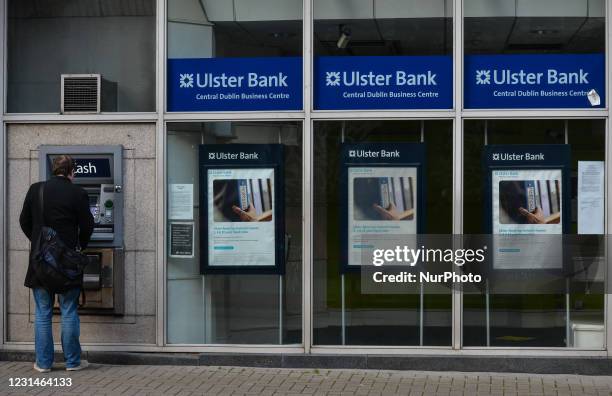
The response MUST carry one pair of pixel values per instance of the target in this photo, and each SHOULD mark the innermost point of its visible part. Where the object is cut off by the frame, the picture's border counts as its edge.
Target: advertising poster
(527, 201)
(527, 204)
(383, 195)
(241, 200)
(240, 214)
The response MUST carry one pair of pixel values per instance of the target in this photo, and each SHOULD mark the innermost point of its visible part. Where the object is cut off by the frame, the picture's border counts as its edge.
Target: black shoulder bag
(58, 267)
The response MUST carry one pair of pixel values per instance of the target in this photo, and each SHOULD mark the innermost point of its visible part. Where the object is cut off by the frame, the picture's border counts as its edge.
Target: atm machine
(99, 171)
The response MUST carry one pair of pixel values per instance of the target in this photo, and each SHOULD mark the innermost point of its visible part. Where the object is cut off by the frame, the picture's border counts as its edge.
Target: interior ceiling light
(345, 36)
(543, 32)
(282, 35)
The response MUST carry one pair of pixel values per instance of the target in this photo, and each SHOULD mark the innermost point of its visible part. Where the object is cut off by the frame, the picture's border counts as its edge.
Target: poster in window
(382, 200)
(241, 208)
(527, 205)
(240, 217)
(382, 194)
(527, 201)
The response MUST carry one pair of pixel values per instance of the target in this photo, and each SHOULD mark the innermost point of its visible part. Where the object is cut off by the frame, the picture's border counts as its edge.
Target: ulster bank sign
(235, 84)
(535, 81)
(383, 82)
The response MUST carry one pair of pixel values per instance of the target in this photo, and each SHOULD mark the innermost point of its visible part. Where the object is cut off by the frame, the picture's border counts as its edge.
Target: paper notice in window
(590, 197)
(180, 202)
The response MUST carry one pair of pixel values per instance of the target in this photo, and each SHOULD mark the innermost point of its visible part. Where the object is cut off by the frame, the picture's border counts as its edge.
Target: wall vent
(81, 93)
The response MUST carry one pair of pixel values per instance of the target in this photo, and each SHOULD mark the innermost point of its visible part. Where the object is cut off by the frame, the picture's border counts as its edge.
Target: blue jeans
(43, 334)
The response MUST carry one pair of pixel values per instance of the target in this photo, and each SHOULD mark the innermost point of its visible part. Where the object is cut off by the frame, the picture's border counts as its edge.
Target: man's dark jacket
(66, 210)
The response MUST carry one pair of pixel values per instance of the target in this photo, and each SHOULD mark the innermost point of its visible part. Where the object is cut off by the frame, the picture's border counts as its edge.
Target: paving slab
(18, 378)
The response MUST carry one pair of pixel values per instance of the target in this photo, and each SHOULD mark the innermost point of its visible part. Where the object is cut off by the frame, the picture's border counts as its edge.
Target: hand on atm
(250, 214)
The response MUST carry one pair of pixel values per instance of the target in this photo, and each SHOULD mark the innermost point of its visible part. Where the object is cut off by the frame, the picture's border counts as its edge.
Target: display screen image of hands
(530, 201)
(243, 200)
(383, 198)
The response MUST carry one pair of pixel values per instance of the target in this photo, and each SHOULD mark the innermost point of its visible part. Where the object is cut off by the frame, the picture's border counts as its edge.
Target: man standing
(66, 210)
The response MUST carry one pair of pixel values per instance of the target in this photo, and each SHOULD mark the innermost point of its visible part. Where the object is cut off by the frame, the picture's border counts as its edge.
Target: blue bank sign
(235, 84)
(383, 82)
(535, 81)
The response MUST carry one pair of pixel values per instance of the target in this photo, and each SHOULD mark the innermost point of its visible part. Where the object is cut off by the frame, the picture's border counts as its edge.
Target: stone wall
(138, 324)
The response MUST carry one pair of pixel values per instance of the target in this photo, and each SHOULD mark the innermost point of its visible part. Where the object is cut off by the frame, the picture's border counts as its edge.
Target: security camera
(345, 37)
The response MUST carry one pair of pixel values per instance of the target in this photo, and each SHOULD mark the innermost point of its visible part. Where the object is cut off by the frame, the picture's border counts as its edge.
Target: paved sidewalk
(198, 380)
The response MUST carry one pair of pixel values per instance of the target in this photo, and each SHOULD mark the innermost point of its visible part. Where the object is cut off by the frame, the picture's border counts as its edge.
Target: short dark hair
(63, 165)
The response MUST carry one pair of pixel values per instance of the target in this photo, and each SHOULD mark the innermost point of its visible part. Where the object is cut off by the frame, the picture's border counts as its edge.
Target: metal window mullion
(478, 352)
(608, 51)
(225, 116)
(160, 174)
(457, 296)
(608, 184)
(3, 184)
(607, 247)
(307, 169)
(348, 115)
(3, 61)
(3, 234)
(51, 118)
(545, 114)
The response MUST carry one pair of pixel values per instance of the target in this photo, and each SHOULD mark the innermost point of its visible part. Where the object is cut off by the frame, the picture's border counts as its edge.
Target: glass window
(534, 54)
(232, 308)
(554, 297)
(216, 36)
(343, 313)
(382, 54)
(113, 39)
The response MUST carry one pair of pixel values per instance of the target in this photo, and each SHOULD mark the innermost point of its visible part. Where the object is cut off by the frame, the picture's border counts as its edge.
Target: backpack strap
(41, 213)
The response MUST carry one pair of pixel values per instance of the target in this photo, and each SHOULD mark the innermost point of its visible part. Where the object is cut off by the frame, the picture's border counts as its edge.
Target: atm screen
(89, 167)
